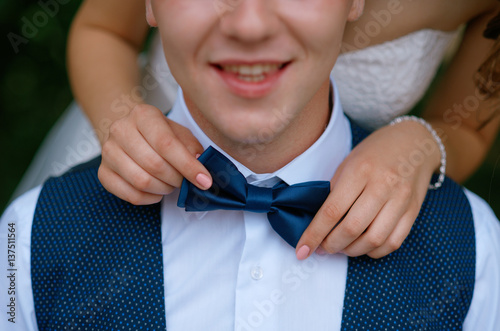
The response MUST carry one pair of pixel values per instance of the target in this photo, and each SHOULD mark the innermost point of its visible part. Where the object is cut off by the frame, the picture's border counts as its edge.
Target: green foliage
(34, 88)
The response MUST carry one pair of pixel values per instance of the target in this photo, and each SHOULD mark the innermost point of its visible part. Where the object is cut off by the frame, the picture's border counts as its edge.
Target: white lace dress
(376, 84)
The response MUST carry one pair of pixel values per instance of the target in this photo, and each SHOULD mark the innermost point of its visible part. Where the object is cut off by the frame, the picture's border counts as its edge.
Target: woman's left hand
(376, 194)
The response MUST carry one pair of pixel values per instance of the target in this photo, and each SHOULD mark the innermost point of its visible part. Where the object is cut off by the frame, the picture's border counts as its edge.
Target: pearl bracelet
(442, 168)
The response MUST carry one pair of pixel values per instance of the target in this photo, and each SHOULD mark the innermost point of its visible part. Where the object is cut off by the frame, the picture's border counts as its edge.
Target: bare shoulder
(448, 14)
(392, 19)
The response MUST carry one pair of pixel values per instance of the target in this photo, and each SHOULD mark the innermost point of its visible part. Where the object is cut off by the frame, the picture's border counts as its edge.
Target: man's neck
(300, 134)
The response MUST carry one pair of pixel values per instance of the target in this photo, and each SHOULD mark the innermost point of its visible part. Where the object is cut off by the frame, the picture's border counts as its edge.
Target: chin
(251, 136)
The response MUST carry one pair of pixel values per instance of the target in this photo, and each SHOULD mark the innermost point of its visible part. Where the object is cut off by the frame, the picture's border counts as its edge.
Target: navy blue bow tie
(289, 209)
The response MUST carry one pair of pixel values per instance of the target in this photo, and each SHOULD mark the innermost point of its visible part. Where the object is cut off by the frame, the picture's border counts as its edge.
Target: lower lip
(251, 90)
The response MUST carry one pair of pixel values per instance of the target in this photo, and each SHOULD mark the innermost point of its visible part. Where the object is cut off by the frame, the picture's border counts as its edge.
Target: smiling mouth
(252, 73)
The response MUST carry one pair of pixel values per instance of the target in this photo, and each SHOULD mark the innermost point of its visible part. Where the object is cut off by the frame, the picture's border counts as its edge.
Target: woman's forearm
(105, 39)
(457, 109)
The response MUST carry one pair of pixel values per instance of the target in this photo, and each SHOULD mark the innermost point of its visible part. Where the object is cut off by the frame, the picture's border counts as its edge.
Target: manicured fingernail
(198, 155)
(303, 252)
(204, 181)
(320, 251)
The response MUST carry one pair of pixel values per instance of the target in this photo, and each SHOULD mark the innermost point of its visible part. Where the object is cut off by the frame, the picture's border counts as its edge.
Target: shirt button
(257, 273)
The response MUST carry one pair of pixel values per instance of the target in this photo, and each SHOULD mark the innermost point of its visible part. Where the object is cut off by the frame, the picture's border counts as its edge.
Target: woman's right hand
(147, 155)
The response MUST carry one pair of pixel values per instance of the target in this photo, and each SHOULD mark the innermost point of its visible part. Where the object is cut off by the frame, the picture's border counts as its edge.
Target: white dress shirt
(229, 270)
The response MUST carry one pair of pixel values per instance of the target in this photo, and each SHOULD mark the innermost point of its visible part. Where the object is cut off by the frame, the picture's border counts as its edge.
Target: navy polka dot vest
(97, 263)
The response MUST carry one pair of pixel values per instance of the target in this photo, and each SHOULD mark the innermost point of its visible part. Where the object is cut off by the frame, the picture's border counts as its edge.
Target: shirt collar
(318, 162)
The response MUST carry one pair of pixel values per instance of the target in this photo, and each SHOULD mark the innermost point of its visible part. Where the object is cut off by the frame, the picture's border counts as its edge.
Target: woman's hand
(376, 194)
(146, 156)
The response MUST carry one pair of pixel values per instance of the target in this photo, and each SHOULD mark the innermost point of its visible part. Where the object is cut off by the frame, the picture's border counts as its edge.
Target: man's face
(249, 68)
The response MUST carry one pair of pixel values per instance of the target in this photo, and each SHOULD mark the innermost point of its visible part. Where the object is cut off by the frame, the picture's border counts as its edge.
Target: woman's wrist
(437, 139)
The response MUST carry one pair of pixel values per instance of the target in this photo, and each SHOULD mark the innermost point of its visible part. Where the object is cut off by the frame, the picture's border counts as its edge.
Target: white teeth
(245, 70)
(252, 73)
(252, 79)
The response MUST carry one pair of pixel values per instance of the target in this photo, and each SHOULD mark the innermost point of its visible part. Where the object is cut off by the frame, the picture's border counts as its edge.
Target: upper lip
(226, 62)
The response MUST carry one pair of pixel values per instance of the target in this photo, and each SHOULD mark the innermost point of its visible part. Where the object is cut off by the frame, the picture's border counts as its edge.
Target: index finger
(177, 146)
(339, 201)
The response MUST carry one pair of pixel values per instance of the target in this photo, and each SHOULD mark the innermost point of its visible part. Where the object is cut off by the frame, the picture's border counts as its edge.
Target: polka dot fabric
(96, 260)
(425, 285)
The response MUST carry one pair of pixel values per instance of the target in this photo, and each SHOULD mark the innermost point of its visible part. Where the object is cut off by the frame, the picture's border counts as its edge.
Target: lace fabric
(379, 83)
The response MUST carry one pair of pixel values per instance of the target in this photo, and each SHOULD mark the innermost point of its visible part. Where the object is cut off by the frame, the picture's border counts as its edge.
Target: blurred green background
(34, 91)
